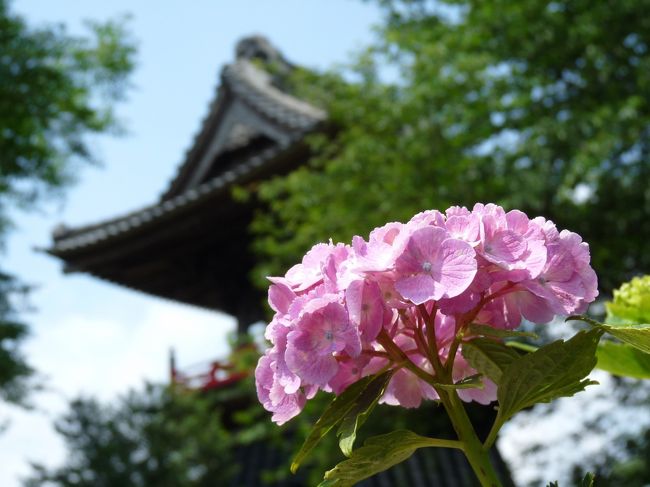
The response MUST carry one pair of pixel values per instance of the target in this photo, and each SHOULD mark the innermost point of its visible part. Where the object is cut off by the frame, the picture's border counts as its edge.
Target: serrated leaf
(623, 359)
(554, 370)
(636, 335)
(489, 331)
(379, 453)
(333, 415)
(489, 357)
(360, 411)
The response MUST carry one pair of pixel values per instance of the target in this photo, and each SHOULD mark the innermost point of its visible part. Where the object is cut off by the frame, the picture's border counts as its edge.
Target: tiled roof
(255, 87)
(242, 80)
(66, 240)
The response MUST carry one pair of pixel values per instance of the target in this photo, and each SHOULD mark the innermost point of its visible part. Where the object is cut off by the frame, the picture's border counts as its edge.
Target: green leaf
(469, 382)
(623, 359)
(489, 331)
(636, 335)
(360, 411)
(524, 347)
(489, 357)
(588, 481)
(379, 453)
(334, 414)
(554, 370)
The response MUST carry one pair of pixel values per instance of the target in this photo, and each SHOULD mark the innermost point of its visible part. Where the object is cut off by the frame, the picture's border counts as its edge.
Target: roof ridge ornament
(258, 47)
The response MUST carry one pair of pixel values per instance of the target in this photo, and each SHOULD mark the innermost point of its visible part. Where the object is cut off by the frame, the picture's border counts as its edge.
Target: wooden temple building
(192, 245)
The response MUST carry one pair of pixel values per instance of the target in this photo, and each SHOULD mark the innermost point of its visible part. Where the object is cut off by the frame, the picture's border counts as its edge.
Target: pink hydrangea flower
(323, 329)
(273, 397)
(433, 266)
(336, 309)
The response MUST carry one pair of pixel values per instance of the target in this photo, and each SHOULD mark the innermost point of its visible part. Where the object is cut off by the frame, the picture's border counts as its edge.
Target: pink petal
(534, 308)
(312, 368)
(419, 288)
(281, 297)
(464, 227)
(458, 267)
(365, 307)
(504, 248)
(403, 390)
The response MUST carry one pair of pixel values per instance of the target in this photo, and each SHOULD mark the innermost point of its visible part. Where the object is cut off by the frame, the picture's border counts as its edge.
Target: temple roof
(253, 130)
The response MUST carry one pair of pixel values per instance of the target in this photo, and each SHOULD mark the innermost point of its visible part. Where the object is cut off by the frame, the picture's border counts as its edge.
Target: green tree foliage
(55, 90)
(173, 438)
(633, 471)
(536, 105)
(13, 368)
(152, 437)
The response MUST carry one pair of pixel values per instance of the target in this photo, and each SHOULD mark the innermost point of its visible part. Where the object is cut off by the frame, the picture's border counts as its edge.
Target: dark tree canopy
(13, 368)
(151, 437)
(536, 105)
(55, 90)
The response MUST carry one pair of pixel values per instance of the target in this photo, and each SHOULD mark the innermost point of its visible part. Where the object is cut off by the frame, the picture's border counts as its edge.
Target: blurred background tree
(56, 90)
(536, 105)
(170, 437)
(156, 436)
(173, 436)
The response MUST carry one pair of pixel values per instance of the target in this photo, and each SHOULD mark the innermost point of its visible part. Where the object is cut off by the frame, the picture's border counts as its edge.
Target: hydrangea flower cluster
(414, 286)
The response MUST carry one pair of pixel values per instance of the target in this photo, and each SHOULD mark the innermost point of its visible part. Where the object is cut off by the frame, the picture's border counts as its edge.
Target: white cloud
(563, 433)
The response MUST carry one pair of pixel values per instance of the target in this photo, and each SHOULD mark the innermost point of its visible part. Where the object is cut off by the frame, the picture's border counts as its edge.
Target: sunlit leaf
(490, 331)
(623, 359)
(554, 370)
(637, 335)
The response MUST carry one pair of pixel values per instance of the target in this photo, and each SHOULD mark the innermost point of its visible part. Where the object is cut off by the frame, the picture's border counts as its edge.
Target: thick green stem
(476, 454)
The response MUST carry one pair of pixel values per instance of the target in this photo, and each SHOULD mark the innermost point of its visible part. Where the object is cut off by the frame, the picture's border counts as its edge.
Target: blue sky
(90, 337)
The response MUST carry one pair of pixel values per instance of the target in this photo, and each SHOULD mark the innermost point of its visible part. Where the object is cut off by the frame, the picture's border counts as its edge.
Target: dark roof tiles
(67, 239)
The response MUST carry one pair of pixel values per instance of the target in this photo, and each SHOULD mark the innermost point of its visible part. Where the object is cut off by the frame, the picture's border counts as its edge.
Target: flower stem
(476, 453)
